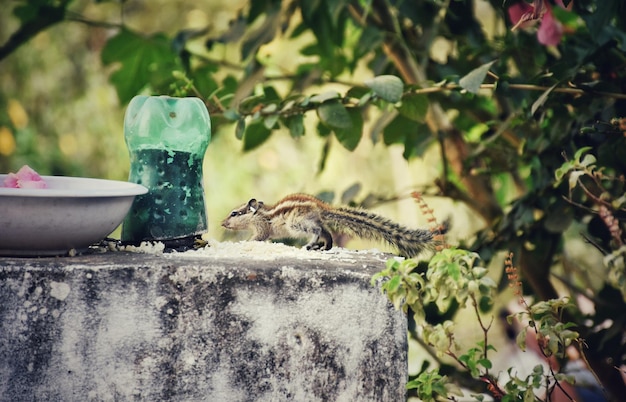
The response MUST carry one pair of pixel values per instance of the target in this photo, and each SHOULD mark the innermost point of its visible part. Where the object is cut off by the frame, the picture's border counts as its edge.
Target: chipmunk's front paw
(316, 246)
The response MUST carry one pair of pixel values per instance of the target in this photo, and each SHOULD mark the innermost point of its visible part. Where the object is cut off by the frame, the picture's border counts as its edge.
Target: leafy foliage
(455, 274)
(144, 61)
(545, 318)
(605, 193)
(432, 386)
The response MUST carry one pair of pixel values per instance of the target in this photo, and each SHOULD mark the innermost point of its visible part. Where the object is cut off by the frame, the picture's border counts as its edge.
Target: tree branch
(523, 87)
(46, 17)
(478, 186)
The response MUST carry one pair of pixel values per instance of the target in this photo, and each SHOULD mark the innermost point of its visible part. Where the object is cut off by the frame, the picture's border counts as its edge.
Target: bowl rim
(70, 187)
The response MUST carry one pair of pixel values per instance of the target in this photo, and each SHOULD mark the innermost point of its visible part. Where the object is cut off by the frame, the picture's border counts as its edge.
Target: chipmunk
(302, 215)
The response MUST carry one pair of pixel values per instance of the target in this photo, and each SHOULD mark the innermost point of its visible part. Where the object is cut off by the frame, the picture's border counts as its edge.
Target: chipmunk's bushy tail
(366, 225)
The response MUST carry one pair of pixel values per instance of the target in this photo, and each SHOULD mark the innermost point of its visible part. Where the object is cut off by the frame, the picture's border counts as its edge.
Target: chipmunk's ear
(254, 205)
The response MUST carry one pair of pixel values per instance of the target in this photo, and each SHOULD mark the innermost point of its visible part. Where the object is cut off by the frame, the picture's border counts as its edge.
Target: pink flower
(26, 177)
(550, 31)
(523, 15)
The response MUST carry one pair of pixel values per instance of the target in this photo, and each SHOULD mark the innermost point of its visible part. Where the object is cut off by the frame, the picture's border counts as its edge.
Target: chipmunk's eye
(234, 213)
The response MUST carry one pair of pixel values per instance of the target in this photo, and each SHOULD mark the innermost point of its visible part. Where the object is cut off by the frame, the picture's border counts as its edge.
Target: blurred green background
(60, 115)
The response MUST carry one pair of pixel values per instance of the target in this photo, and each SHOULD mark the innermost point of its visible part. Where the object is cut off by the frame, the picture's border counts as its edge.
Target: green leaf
(329, 32)
(295, 124)
(397, 131)
(203, 80)
(350, 137)
(486, 363)
(270, 121)
(393, 284)
(562, 171)
(358, 92)
(414, 107)
(388, 87)
(231, 114)
(365, 98)
(271, 108)
(240, 128)
(144, 61)
(588, 160)
(520, 339)
(323, 130)
(479, 272)
(324, 96)
(350, 193)
(599, 22)
(580, 153)
(263, 34)
(254, 135)
(541, 99)
(335, 8)
(473, 80)
(334, 115)
(454, 270)
(324, 154)
(529, 396)
(288, 105)
(563, 377)
(271, 94)
(370, 38)
(573, 178)
(247, 105)
(416, 137)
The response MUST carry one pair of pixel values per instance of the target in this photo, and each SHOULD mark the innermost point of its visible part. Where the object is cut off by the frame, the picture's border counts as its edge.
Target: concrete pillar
(198, 326)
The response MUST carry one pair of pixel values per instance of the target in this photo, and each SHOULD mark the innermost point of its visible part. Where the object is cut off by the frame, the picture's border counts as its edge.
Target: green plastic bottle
(166, 138)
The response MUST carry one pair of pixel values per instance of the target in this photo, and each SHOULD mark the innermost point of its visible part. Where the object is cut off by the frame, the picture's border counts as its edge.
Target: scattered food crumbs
(258, 250)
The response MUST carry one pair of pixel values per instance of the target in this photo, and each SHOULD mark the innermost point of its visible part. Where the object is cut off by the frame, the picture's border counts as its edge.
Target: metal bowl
(71, 213)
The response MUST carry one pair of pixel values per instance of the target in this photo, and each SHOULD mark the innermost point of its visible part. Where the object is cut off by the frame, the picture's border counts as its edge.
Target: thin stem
(558, 384)
(484, 328)
(427, 348)
(591, 195)
(75, 17)
(521, 87)
(593, 372)
(223, 63)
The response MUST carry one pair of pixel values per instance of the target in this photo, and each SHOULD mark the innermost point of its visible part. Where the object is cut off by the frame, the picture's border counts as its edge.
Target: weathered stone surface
(195, 327)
